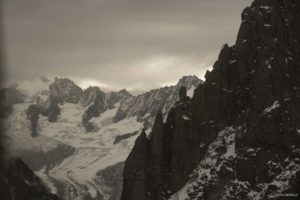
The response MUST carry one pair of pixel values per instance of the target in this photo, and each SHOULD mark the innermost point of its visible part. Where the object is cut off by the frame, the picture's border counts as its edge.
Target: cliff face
(238, 137)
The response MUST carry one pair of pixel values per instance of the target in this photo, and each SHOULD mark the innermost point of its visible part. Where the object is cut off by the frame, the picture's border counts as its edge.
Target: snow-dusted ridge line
(206, 171)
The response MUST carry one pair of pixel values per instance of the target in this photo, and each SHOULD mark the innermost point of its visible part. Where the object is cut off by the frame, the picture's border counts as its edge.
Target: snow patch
(206, 171)
(272, 107)
(267, 25)
(190, 92)
(232, 61)
(185, 117)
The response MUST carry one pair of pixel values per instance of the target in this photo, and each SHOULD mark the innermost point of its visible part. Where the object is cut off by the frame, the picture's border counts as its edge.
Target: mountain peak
(125, 92)
(64, 89)
(189, 80)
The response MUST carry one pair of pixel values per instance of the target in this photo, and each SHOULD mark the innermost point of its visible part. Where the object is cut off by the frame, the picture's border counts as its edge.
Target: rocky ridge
(145, 106)
(238, 137)
(18, 182)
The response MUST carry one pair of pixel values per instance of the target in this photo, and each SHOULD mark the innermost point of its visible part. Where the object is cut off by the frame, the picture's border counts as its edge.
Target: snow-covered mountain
(70, 137)
(147, 105)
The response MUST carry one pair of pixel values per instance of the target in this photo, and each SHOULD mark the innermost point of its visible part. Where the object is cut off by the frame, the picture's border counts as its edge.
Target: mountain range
(235, 136)
(75, 140)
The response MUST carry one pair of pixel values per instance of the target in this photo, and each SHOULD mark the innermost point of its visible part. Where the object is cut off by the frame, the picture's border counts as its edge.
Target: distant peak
(92, 88)
(189, 80)
(63, 79)
(124, 91)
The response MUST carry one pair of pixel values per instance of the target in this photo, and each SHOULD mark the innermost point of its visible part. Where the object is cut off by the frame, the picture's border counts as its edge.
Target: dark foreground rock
(18, 182)
(238, 137)
(112, 177)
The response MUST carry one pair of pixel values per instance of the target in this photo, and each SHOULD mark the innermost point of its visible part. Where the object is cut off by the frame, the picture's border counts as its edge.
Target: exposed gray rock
(65, 90)
(115, 97)
(89, 95)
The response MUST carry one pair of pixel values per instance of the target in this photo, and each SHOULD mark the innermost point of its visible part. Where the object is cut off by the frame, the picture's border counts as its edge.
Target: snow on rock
(232, 61)
(151, 102)
(35, 86)
(206, 172)
(190, 92)
(17, 130)
(272, 107)
(281, 182)
(185, 117)
(265, 7)
(88, 152)
(93, 151)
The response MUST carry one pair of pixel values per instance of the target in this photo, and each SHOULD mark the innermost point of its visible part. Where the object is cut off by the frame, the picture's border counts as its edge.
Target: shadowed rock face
(48, 108)
(135, 170)
(112, 177)
(18, 182)
(114, 97)
(89, 95)
(9, 97)
(99, 102)
(94, 110)
(40, 159)
(33, 116)
(254, 88)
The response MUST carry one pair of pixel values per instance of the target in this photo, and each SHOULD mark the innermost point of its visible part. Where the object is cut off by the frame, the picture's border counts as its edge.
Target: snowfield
(94, 151)
(70, 160)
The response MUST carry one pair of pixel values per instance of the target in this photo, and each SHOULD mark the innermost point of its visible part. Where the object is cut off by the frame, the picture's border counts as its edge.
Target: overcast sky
(133, 44)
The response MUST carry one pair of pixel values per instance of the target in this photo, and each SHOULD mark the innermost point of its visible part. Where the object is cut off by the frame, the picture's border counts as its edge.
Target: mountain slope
(145, 106)
(238, 137)
(18, 182)
(70, 139)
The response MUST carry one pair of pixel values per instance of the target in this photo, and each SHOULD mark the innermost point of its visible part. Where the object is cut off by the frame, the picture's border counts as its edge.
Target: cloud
(122, 43)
